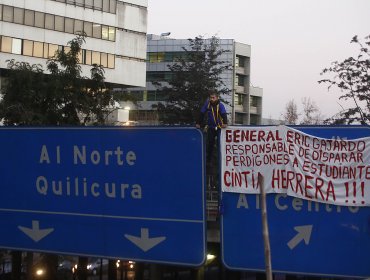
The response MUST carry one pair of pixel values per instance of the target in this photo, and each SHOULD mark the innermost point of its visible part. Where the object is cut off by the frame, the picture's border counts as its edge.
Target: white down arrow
(144, 242)
(35, 233)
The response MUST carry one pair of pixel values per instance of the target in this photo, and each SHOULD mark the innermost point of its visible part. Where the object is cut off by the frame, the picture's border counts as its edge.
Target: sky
(291, 41)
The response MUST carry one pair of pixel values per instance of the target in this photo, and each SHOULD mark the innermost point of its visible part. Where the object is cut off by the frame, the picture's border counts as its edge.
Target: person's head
(213, 97)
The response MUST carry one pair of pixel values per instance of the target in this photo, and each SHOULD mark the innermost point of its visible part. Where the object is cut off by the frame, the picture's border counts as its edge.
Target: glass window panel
(1, 12)
(97, 32)
(68, 25)
(88, 28)
(89, 3)
(63, 1)
(38, 49)
(29, 17)
(49, 21)
(52, 49)
(95, 58)
(88, 57)
(104, 59)
(98, 4)
(80, 2)
(79, 26)
(27, 47)
(6, 44)
(39, 19)
(59, 23)
(46, 50)
(8, 13)
(106, 5)
(112, 6)
(17, 46)
(168, 57)
(71, 1)
(160, 57)
(112, 33)
(79, 56)
(18, 15)
(105, 32)
(110, 60)
(67, 49)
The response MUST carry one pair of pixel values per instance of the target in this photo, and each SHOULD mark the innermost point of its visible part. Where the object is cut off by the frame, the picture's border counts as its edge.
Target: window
(105, 32)
(106, 5)
(17, 46)
(18, 15)
(80, 3)
(97, 31)
(98, 4)
(160, 56)
(79, 56)
(104, 59)
(79, 26)
(49, 21)
(112, 6)
(46, 50)
(89, 3)
(38, 49)
(88, 57)
(240, 61)
(88, 28)
(52, 49)
(112, 33)
(239, 80)
(68, 25)
(29, 17)
(8, 13)
(39, 19)
(59, 23)
(27, 47)
(1, 12)
(95, 58)
(111, 61)
(6, 44)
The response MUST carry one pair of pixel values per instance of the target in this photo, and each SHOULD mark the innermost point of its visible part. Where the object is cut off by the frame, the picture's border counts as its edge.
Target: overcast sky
(291, 40)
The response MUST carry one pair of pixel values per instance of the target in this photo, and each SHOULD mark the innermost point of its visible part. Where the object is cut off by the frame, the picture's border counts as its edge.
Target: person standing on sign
(216, 115)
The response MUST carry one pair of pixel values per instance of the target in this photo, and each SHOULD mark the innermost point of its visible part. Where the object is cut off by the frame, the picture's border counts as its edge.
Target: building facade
(245, 101)
(32, 31)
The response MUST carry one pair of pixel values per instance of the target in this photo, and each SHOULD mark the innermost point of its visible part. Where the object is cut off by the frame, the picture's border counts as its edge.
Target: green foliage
(352, 77)
(62, 97)
(193, 75)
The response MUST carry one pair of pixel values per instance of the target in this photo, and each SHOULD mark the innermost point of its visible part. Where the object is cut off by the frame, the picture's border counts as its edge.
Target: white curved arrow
(35, 233)
(304, 233)
(144, 242)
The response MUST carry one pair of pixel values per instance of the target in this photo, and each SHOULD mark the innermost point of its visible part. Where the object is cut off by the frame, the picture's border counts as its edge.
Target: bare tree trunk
(265, 229)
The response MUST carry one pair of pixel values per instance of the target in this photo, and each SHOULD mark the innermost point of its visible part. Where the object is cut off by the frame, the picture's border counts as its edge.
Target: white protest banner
(331, 171)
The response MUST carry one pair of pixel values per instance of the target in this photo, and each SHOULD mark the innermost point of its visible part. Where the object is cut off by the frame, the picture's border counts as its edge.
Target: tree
(352, 77)
(63, 97)
(290, 116)
(193, 75)
(311, 113)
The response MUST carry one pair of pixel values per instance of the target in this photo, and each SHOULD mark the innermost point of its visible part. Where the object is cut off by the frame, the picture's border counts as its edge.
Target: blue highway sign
(306, 237)
(127, 193)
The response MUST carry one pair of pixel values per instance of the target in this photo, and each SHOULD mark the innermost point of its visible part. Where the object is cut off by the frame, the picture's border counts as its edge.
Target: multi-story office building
(31, 31)
(245, 101)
